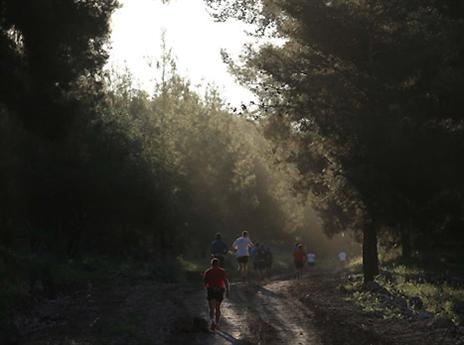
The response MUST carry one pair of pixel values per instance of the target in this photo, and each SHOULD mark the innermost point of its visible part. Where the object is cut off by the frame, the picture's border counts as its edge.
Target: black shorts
(299, 264)
(242, 259)
(215, 293)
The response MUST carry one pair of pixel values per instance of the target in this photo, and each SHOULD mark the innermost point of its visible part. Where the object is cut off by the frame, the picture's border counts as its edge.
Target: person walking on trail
(216, 284)
(299, 257)
(242, 247)
(219, 249)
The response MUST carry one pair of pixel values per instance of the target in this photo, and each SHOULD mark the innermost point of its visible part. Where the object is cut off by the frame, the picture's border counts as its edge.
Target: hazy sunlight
(194, 36)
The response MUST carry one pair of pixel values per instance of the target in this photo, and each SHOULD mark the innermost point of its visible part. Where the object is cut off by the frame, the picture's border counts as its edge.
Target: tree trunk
(405, 243)
(370, 255)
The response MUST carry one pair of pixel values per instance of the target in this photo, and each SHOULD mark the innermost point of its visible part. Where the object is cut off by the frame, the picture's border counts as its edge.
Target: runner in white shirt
(242, 247)
(342, 257)
(311, 258)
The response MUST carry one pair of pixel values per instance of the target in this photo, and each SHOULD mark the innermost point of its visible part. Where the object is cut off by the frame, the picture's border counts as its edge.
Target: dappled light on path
(265, 315)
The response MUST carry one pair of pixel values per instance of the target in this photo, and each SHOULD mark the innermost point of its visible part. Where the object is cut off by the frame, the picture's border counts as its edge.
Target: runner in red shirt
(216, 284)
(299, 257)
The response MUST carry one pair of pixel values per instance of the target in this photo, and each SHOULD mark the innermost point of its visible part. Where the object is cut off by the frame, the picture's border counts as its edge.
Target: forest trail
(129, 311)
(149, 313)
(259, 314)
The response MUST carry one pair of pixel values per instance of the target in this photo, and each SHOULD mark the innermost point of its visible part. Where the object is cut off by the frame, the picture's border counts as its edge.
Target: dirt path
(259, 314)
(282, 317)
(149, 313)
(313, 311)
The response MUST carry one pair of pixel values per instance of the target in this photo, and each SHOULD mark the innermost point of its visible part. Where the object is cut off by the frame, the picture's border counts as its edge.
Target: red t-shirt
(215, 276)
(299, 255)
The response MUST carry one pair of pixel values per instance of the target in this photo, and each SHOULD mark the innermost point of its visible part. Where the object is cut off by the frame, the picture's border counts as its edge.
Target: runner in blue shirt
(219, 249)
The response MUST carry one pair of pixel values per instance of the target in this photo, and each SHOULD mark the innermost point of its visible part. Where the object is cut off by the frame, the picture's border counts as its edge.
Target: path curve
(262, 314)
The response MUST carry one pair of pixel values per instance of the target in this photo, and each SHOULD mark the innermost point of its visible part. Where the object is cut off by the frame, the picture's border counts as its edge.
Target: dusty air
(213, 172)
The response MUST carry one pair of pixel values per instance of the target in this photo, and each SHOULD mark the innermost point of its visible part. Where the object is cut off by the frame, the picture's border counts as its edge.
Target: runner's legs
(242, 270)
(212, 307)
(218, 312)
(243, 266)
(213, 313)
(299, 269)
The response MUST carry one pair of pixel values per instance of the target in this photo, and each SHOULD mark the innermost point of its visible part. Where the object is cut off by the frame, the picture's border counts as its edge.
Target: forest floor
(314, 310)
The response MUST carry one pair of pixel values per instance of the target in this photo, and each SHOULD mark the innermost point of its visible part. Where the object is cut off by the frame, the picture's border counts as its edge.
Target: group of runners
(259, 255)
(301, 257)
(215, 279)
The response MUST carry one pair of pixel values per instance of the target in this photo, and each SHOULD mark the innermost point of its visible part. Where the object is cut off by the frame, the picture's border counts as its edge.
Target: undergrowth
(407, 282)
(26, 279)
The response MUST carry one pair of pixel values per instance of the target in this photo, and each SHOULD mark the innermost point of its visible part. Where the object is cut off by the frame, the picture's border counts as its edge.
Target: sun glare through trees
(195, 37)
(231, 171)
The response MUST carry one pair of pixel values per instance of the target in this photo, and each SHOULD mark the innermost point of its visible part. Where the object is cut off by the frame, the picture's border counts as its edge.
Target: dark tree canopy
(375, 88)
(45, 47)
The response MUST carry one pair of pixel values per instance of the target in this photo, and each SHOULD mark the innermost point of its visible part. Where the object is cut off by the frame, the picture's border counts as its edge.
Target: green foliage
(94, 168)
(45, 48)
(369, 91)
(142, 176)
(217, 170)
(408, 282)
(371, 304)
(26, 276)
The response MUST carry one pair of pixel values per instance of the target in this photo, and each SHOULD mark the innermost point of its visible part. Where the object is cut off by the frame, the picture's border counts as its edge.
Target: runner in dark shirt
(219, 249)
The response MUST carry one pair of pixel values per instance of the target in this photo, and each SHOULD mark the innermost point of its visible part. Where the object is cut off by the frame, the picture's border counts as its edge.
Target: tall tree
(49, 52)
(364, 80)
(46, 46)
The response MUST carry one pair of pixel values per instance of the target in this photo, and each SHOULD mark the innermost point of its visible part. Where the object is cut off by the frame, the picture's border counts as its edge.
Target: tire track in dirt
(281, 313)
(234, 327)
(261, 315)
(174, 314)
